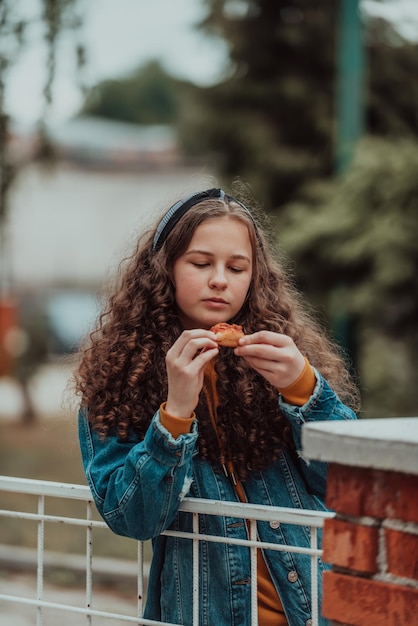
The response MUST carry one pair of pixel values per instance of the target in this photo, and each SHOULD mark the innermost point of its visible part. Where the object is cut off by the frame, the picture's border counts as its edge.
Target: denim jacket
(138, 485)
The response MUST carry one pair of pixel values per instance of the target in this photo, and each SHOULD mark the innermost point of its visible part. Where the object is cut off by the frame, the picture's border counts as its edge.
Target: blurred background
(109, 111)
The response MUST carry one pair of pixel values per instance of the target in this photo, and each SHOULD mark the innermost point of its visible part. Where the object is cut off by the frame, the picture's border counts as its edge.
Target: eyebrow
(242, 257)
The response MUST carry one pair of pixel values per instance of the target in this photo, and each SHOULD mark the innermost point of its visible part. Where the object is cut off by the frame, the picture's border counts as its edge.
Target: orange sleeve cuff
(176, 426)
(299, 392)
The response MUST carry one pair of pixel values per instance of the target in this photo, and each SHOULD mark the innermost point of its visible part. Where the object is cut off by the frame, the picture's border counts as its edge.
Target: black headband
(176, 212)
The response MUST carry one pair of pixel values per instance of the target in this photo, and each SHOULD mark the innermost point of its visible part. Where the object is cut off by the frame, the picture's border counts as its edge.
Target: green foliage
(364, 224)
(270, 122)
(354, 241)
(392, 88)
(149, 96)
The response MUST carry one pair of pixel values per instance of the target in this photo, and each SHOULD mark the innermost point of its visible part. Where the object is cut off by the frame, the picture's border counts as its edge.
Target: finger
(186, 337)
(204, 357)
(263, 351)
(191, 362)
(196, 347)
(262, 365)
(265, 337)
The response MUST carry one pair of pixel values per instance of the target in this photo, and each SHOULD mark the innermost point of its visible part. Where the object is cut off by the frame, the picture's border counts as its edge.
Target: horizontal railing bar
(193, 505)
(27, 558)
(180, 534)
(83, 611)
(45, 488)
(244, 542)
(260, 512)
(75, 521)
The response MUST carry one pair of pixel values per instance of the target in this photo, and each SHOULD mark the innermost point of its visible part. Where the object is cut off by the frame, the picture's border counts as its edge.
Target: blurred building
(71, 224)
(96, 142)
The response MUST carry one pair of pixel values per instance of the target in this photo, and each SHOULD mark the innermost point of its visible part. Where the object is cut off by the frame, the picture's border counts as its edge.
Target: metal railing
(252, 513)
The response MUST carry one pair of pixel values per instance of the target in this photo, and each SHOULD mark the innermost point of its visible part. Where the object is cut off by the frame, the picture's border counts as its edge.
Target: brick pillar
(372, 543)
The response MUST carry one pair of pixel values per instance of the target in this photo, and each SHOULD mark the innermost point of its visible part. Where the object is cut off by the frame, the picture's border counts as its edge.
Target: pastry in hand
(227, 334)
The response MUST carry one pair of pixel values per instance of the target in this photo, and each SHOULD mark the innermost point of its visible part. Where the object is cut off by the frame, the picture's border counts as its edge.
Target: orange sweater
(270, 609)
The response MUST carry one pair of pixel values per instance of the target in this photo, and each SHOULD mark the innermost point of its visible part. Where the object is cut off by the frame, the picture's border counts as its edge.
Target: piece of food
(227, 334)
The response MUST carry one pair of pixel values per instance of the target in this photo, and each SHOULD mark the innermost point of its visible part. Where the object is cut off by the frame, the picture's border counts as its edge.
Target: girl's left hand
(273, 355)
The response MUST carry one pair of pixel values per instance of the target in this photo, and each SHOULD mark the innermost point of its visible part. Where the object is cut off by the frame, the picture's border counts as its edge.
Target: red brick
(364, 602)
(350, 545)
(402, 553)
(380, 494)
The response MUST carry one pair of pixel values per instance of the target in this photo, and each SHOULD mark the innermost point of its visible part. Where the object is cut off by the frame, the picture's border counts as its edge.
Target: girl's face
(213, 275)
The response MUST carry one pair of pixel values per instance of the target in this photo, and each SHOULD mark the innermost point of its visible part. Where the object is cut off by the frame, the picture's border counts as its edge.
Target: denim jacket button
(308, 622)
(274, 524)
(292, 576)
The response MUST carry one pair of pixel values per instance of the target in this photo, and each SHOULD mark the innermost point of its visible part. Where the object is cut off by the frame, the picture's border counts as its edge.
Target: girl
(166, 412)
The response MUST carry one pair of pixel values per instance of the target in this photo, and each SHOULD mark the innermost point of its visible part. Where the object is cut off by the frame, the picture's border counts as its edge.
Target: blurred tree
(356, 251)
(148, 96)
(18, 24)
(272, 120)
(392, 89)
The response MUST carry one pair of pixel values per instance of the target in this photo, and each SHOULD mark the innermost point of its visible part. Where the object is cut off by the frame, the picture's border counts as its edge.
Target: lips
(216, 300)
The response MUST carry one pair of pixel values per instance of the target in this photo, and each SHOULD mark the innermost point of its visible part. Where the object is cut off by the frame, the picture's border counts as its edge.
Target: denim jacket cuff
(164, 448)
(292, 409)
(323, 405)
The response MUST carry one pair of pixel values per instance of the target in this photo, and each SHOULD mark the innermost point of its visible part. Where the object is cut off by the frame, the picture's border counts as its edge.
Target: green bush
(355, 245)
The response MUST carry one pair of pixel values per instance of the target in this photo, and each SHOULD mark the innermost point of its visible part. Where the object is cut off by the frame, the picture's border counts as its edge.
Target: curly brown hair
(122, 377)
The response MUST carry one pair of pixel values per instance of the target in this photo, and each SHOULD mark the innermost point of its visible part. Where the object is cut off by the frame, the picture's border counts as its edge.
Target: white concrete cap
(386, 444)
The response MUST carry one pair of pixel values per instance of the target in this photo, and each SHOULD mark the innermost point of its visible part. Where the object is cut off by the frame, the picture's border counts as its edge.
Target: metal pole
(350, 83)
(350, 122)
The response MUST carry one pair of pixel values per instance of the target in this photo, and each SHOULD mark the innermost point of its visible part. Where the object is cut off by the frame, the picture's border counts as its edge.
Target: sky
(121, 35)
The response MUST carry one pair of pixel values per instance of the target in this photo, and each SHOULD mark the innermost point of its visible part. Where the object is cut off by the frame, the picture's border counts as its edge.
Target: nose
(218, 279)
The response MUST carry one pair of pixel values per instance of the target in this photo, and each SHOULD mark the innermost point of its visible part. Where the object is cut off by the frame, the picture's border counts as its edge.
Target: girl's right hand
(186, 362)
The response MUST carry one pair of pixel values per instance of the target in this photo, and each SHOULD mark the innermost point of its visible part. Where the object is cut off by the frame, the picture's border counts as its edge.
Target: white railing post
(89, 561)
(40, 567)
(254, 604)
(314, 576)
(195, 570)
(140, 579)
